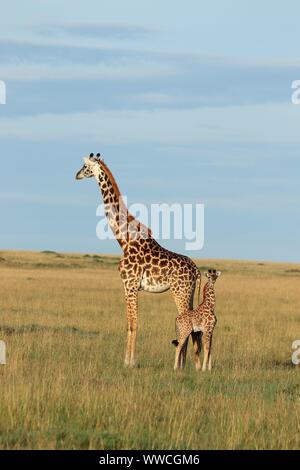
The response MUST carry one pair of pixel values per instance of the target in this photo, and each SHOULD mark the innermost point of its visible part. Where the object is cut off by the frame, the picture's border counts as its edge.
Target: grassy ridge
(64, 386)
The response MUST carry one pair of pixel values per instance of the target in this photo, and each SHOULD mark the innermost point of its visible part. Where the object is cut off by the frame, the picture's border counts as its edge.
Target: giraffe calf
(200, 322)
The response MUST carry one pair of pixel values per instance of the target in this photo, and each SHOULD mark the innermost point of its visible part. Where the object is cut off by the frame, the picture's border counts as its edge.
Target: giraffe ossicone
(145, 265)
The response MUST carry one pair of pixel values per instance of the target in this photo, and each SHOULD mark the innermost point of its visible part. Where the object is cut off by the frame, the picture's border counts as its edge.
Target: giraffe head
(212, 275)
(89, 167)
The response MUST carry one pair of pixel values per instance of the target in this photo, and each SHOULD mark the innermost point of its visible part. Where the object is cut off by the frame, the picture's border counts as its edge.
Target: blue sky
(187, 102)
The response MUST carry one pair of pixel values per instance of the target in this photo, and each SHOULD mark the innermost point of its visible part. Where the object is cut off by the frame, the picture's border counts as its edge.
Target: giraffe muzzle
(79, 175)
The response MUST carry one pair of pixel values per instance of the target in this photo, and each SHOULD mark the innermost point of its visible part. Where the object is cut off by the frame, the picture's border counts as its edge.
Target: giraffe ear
(206, 274)
(218, 273)
(86, 160)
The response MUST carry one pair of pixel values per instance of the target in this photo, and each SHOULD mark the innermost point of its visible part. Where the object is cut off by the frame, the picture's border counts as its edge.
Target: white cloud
(74, 42)
(255, 204)
(121, 71)
(255, 124)
(93, 29)
(155, 98)
(29, 198)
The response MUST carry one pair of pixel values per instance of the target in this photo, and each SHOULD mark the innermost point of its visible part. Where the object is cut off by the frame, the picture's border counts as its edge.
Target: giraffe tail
(175, 342)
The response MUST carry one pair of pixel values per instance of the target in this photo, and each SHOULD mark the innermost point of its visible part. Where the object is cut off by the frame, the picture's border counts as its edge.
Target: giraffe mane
(111, 178)
(118, 193)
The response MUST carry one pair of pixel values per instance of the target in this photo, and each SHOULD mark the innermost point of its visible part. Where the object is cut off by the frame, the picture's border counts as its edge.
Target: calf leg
(179, 357)
(207, 350)
(182, 356)
(183, 297)
(196, 338)
(183, 331)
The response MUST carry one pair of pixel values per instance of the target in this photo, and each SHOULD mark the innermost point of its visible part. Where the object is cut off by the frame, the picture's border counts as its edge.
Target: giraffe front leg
(207, 351)
(128, 347)
(209, 359)
(196, 338)
(210, 353)
(133, 341)
(132, 313)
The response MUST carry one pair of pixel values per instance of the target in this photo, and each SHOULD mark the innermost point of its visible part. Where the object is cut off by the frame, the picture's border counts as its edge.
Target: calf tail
(175, 342)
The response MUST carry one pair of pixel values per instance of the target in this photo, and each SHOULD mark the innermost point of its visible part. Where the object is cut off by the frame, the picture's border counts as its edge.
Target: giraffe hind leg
(182, 358)
(183, 332)
(196, 339)
(179, 357)
(183, 297)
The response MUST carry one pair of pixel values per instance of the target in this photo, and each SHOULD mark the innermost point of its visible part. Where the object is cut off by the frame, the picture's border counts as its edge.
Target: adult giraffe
(145, 265)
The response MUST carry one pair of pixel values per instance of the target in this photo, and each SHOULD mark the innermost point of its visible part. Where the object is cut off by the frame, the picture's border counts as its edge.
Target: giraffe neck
(209, 297)
(123, 225)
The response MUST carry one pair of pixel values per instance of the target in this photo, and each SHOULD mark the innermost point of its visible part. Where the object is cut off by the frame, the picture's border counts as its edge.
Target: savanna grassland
(64, 384)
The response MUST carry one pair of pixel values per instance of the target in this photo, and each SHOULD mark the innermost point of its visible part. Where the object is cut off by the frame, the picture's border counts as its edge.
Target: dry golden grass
(64, 385)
